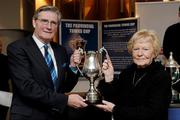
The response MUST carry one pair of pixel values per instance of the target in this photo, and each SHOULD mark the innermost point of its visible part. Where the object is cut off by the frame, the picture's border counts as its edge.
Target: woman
(143, 90)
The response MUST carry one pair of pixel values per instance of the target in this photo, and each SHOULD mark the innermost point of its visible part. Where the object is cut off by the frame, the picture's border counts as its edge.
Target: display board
(157, 15)
(115, 35)
(72, 31)
(111, 34)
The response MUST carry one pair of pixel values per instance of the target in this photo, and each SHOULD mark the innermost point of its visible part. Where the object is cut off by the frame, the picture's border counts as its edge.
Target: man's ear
(33, 23)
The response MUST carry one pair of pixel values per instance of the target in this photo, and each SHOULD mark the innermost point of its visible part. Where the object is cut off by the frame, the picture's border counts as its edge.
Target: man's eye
(45, 21)
(54, 23)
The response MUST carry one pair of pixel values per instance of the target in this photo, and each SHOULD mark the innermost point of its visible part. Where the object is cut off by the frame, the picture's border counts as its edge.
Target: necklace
(138, 80)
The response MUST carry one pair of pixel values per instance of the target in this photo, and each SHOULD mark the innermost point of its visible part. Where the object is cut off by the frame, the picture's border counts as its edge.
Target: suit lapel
(36, 53)
(38, 57)
(58, 57)
(61, 61)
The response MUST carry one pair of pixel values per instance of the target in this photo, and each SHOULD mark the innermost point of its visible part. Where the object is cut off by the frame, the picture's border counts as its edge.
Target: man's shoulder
(21, 42)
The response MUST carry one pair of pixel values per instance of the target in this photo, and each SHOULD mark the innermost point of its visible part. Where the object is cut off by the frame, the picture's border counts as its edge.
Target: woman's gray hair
(145, 34)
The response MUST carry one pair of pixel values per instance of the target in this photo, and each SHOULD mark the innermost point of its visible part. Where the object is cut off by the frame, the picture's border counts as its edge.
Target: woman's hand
(106, 106)
(108, 70)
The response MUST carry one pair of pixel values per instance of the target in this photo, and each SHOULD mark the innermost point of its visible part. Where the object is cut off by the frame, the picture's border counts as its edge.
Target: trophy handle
(81, 52)
(101, 50)
(104, 49)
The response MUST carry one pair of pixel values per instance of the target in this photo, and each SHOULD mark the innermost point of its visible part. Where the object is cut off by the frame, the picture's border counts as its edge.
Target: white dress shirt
(40, 45)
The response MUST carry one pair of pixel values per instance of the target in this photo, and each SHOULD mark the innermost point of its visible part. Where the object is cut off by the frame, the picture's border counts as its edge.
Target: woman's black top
(139, 94)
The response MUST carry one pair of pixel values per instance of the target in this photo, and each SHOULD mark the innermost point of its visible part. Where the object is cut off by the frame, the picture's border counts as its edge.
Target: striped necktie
(50, 64)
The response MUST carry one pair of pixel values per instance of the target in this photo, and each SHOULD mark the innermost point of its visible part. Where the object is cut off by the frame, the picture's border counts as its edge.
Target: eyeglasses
(46, 22)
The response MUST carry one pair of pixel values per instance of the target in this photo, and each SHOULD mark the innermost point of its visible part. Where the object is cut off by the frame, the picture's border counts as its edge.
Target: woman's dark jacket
(147, 98)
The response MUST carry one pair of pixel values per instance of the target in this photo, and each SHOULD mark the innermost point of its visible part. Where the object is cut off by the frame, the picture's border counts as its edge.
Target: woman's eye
(146, 49)
(135, 49)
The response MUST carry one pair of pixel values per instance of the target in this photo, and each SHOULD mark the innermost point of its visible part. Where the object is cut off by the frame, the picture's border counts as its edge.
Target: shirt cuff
(74, 70)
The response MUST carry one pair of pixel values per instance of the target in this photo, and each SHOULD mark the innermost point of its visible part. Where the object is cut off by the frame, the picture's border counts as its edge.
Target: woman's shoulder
(159, 72)
(158, 67)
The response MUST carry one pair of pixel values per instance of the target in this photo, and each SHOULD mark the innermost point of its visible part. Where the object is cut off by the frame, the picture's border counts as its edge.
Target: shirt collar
(39, 43)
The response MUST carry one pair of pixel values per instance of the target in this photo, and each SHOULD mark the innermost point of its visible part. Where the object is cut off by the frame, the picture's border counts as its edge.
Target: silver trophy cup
(92, 71)
(173, 68)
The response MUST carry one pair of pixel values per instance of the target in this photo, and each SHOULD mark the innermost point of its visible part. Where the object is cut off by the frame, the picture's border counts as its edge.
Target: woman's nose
(140, 53)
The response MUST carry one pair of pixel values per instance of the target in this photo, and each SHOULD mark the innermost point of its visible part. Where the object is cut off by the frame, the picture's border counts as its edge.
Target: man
(4, 78)
(39, 87)
(171, 40)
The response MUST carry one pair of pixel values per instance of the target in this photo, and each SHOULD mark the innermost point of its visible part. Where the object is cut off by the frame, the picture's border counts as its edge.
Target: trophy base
(93, 98)
(93, 102)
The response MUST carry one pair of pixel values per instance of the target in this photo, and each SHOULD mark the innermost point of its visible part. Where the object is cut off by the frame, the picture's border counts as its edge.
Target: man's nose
(49, 25)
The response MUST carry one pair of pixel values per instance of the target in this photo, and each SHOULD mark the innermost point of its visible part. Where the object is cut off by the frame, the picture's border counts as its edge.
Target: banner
(75, 32)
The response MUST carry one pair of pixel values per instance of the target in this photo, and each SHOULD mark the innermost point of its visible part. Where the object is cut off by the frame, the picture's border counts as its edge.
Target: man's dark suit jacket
(34, 97)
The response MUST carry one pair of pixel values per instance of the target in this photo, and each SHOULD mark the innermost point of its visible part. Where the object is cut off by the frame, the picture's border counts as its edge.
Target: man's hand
(75, 58)
(76, 101)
